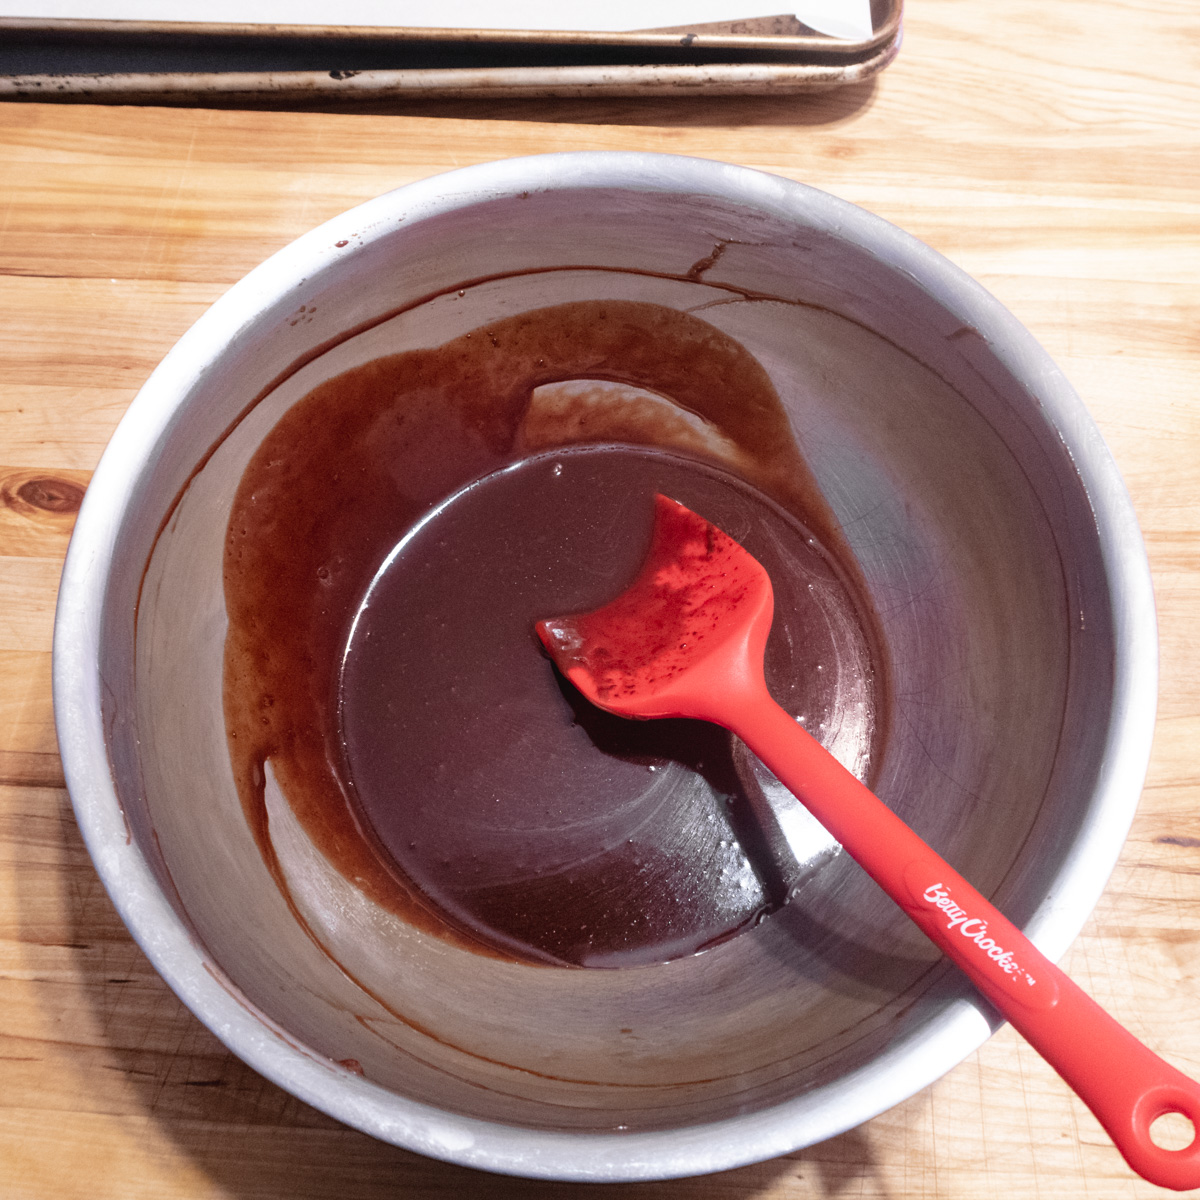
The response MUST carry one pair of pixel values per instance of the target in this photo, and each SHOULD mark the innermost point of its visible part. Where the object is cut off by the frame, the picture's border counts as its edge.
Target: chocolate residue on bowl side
(338, 483)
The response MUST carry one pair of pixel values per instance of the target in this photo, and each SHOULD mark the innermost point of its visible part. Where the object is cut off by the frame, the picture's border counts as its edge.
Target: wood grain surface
(1052, 150)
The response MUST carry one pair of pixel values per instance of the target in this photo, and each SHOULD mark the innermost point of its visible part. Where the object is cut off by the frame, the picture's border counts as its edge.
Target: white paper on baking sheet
(850, 19)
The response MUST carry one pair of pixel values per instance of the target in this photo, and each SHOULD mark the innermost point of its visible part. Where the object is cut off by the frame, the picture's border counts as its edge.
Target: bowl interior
(979, 551)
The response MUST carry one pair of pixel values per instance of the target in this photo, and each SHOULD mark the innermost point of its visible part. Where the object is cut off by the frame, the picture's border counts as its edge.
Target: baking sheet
(141, 58)
(847, 19)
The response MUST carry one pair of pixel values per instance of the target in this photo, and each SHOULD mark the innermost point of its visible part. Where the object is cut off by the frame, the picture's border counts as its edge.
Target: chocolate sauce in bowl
(523, 813)
(391, 545)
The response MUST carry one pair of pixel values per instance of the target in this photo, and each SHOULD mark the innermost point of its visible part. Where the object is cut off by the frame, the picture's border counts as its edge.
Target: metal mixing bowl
(995, 537)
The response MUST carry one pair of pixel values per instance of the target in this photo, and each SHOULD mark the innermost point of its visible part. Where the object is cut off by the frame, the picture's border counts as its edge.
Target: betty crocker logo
(985, 954)
(974, 929)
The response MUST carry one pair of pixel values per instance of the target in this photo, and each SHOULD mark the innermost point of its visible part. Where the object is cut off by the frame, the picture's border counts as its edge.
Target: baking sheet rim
(447, 83)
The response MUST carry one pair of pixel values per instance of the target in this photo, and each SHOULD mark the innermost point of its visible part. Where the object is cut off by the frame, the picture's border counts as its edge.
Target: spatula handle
(1125, 1084)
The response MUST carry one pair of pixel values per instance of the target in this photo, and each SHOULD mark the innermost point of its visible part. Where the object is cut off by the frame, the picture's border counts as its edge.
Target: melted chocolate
(390, 547)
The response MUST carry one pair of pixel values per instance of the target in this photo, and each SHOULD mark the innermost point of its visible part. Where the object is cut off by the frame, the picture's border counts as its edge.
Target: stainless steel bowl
(995, 537)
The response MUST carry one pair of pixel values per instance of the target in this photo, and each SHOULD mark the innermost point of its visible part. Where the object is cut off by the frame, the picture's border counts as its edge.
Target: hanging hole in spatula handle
(1165, 1136)
(1172, 1130)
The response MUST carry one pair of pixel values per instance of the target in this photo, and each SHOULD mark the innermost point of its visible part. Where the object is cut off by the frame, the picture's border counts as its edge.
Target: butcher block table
(1051, 150)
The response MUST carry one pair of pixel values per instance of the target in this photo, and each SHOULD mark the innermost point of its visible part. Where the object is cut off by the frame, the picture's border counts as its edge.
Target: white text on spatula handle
(991, 938)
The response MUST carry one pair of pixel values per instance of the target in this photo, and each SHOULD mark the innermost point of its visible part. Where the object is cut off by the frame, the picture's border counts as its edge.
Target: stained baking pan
(184, 63)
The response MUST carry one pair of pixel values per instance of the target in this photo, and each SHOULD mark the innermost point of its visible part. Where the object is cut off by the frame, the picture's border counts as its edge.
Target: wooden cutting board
(1051, 151)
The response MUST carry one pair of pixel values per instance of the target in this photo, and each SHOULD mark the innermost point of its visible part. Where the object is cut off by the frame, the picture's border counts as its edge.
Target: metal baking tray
(201, 63)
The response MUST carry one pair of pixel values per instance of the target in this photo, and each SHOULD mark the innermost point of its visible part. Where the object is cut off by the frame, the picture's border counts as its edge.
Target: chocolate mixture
(390, 546)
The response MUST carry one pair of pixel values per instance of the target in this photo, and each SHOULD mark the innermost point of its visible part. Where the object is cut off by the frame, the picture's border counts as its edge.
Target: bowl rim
(908, 1065)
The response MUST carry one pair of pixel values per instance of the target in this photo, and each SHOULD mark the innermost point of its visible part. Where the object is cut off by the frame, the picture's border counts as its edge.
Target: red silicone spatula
(686, 639)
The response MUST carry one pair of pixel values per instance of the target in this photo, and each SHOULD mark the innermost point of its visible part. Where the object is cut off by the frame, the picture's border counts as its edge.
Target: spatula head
(690, 629)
